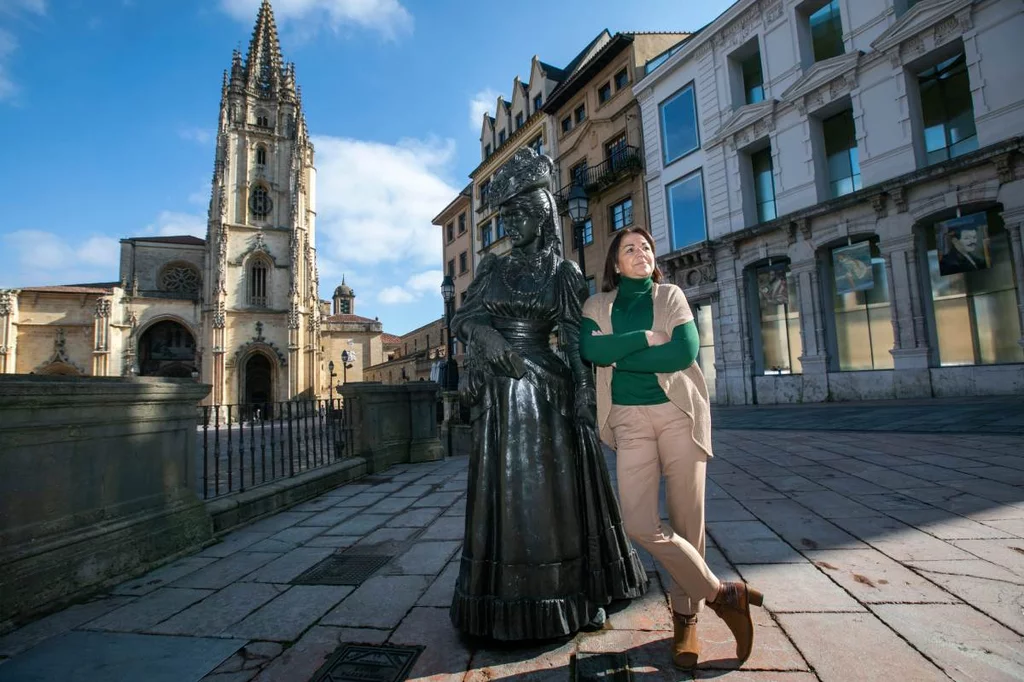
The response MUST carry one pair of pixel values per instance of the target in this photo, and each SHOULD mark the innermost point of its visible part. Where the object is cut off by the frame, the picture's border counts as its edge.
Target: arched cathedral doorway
(257, 381)
(167, 349)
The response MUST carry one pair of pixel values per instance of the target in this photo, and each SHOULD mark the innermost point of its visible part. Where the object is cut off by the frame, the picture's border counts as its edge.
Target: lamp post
(451, 381)
(330, 386)
(346, 359)
(579, 206)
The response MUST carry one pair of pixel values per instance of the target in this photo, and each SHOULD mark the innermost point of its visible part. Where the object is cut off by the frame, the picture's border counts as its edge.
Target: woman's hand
(657, 338)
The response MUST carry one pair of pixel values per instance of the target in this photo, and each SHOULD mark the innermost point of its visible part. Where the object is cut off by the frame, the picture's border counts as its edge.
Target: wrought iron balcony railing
(624, 162)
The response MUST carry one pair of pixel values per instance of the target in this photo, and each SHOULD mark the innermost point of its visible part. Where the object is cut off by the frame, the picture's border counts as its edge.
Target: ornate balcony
(625, 162)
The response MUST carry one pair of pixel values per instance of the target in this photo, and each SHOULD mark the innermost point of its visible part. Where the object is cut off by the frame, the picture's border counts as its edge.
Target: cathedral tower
(261, 313)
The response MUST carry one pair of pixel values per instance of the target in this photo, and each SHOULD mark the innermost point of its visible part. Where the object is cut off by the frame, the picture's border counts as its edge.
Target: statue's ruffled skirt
(544, 545)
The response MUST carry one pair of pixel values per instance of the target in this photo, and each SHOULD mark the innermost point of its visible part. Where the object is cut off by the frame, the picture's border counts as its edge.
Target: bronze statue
(544, 546)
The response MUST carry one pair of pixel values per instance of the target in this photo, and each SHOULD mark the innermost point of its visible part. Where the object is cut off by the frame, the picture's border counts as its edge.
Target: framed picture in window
(962, 244)
(852, 268)
(772, 288)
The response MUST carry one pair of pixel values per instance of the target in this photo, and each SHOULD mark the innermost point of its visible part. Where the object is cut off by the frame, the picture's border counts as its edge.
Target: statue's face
(522, 216)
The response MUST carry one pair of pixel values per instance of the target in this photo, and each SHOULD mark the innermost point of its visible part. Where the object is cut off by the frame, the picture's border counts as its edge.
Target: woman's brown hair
(611, 276)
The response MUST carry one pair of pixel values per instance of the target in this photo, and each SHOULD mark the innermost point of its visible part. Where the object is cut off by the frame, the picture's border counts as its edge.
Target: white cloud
(14, 6)
(172, 223)
(8, 44)
(424, 283)
(394, 294)
(375, 201)
(198, 135)
(39, 258)
(481, 103)
(388, 17)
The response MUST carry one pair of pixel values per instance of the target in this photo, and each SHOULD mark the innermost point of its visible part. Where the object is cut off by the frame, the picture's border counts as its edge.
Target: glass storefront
(860, 303)
(706, 354)
(974, 298)
(779, 319)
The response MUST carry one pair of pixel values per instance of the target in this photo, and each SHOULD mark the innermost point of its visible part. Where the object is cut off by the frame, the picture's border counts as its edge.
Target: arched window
(261, 155)
(262, 119)
(777, 319)
(258, 283)
(260, 202)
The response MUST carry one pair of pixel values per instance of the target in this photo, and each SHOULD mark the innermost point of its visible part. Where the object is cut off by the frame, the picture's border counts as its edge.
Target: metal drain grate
(368, 663)
(343, 569)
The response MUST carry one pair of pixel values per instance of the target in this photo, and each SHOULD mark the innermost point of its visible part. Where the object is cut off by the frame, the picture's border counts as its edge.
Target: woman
(544, 546)
(652, 407)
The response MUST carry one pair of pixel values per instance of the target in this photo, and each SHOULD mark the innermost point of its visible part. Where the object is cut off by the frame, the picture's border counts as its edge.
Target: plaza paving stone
(895, 550)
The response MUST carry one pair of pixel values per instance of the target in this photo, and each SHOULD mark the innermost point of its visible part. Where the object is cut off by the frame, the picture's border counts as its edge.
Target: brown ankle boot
(685, 644)
(732, 604)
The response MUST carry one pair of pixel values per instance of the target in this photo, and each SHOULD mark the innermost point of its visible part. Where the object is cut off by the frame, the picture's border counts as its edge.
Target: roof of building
(173, 239)
(347, 317)
(391, 339)
(98, 288)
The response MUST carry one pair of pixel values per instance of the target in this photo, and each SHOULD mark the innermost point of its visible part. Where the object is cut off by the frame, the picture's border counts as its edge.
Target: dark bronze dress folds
(544, 545)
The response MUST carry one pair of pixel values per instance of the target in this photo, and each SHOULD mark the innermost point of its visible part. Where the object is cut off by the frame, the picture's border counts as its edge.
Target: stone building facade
(596, 121)
(837, 186)
(239, 309)
(418, 356)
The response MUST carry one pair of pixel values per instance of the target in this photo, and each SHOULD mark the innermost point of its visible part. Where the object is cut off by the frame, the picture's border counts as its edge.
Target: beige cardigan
(686, 388)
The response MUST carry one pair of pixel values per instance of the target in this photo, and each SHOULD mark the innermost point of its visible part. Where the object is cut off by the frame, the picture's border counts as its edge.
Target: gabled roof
(186, 239)
(578, 79)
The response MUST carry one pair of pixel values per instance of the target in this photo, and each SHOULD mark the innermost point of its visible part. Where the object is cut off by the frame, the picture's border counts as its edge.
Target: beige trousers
(655, 441)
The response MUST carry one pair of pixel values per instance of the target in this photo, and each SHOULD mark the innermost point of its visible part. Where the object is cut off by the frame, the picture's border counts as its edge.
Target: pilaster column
(814, 359)
(8, 335)
(910, 347)
(1017, 250)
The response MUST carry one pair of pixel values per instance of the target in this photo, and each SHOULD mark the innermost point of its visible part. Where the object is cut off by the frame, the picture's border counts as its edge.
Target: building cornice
(920, 17)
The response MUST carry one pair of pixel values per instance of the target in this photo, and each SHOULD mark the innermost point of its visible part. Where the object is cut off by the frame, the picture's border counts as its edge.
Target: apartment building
(599, 141)
(837, 186)
(417, 356)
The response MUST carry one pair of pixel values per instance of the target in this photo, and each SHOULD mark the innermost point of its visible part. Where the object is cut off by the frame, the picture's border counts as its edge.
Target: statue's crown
(526, 170)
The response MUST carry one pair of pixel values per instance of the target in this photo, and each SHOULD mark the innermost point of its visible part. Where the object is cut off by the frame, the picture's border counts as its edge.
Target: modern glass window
(841, 153)
(463, 262)
(604, 93)
(753, 79)
(826, 32)
(567, 124)
(580, 114)
(764, 184)
(451, 268)
(622, 214)
(462, 223)
(501, 137)
(486, 234)
(975, 309)
(621, 79)
(686, 211)
(778, 305)
(519, 120)
(860, 303)
(588, 234)
(652, 64)
(591, 286)
(947, 110)
(538, 102)
(679, 134)
(450, 230)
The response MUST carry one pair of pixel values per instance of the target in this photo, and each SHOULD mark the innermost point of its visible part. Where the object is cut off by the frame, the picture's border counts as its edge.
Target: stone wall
(97, 484)
(393, 424)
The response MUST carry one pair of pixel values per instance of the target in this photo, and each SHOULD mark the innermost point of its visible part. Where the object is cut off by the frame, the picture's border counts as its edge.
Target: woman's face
(635, 258)
(522, 218)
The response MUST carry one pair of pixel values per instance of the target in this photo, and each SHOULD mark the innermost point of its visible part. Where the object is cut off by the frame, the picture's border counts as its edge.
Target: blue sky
(108, 110)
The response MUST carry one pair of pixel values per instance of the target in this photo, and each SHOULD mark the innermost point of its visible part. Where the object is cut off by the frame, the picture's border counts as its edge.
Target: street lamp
(330, 368)
(346, 358)
(579, 207)
(451, 369)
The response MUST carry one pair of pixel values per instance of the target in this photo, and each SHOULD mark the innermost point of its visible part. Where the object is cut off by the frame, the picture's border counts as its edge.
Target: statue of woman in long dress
(544, 546)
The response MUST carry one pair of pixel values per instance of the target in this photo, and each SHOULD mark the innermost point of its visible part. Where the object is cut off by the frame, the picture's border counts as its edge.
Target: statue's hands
(586, 407)
(498, 354)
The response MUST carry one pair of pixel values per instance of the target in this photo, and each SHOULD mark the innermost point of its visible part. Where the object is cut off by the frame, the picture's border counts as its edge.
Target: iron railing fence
(243, 446)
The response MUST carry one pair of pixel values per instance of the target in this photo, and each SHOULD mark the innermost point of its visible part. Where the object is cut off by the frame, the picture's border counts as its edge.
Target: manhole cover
(602, 668)
(368, 663)
(343, 569)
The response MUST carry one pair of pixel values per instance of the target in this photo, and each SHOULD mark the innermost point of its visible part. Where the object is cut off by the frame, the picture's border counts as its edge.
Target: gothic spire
(263, 63)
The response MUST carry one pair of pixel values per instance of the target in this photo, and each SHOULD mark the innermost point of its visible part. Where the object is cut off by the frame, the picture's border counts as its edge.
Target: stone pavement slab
(289, 615)
(855, 647)
(145, 612)
(796, 588)
(871, 577)
(289, 566)
(164, 575)
(425, 558)
(380, 602)
(116, 657)
(211, 616)
(58, 623)
(746, 542)
(965, 643)
(225, 571)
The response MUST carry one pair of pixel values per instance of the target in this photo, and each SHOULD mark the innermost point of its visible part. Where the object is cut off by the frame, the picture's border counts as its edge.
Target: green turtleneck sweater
(634, 379)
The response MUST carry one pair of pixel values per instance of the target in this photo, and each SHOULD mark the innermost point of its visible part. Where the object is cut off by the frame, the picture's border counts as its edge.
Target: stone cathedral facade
(240, 309)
